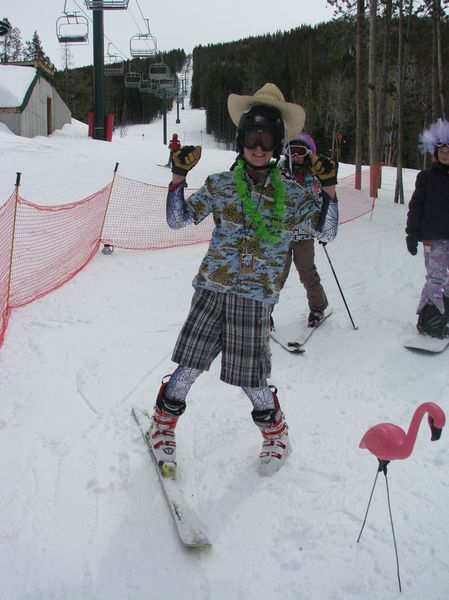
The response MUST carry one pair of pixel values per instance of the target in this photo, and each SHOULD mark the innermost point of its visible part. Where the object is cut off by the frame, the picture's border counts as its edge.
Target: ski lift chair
(168, 92)
(114, 65)
(72, 28)
(147, 86)
(168, 83)
(142, 45)
(159, 71)
(132, 79)
(107, 4)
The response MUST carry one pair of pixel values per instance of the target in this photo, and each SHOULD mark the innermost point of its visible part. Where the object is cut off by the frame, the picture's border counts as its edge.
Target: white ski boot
(161, 433)
(276, 444)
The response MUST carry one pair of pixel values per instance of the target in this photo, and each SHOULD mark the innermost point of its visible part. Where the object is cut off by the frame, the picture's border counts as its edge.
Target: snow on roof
(14, 84)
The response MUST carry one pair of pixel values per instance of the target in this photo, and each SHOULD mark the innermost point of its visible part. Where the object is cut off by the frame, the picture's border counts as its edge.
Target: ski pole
(338, 283)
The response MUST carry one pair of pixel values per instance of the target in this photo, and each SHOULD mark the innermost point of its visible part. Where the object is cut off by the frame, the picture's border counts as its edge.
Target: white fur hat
(433, 137)
(293, 115)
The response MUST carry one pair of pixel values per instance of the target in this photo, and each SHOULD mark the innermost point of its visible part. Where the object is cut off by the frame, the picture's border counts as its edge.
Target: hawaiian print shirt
(233, 235)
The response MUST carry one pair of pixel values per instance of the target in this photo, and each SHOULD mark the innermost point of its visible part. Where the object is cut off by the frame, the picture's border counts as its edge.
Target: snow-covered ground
(82, 515)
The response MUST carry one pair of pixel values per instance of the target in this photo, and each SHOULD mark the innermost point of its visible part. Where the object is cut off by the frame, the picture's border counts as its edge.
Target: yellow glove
(185, 159)
(325, 169)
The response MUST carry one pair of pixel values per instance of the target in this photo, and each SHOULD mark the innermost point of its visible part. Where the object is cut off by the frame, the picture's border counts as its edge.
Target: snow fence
(43, 247)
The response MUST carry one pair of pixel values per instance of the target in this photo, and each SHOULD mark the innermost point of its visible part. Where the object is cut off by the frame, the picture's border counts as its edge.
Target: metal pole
(177, 110)
(338, 283)
(98, 44)
(164, 113)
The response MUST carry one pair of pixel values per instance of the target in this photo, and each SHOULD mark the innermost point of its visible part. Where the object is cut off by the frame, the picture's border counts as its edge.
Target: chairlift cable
(138, 5)
(134, 19)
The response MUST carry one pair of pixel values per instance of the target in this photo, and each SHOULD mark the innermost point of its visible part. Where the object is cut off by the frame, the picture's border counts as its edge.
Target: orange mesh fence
(53, 243)
(354, 203)
(47, 245)
(136, 214)
(6, 230)
(136, 218)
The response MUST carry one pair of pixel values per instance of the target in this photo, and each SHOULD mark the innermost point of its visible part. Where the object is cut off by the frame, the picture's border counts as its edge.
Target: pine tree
(11, 46)
(34, 51)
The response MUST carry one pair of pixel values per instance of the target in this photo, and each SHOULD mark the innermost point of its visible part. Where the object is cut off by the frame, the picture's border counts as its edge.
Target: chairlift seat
(159, 71)
(72, 28)
(147, 86)
(167, 82)
(72, 39)
(114, 69)
(132, 80)
(114, 65)
(142, 45)
(107, 4)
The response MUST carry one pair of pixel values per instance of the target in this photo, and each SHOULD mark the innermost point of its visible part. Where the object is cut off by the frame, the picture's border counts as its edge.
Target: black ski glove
(325, 169)
(185, 159)
(412, 245)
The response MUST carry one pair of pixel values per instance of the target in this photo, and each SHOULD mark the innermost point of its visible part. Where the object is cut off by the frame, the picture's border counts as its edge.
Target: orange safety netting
(356, 203)
(136, 218)
(6, 232)
(43, 247)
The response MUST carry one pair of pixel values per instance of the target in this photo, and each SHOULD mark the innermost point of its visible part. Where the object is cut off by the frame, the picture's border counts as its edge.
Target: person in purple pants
(428, 222)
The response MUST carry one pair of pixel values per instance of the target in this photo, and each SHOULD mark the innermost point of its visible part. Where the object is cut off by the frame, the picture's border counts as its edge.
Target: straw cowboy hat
(292, 114)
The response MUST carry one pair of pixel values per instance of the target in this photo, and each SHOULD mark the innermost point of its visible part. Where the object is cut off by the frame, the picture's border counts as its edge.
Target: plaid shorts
(237, 327)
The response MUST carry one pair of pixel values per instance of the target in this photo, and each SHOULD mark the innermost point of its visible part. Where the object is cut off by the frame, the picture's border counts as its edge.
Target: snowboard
(293, 339)
(425, 343)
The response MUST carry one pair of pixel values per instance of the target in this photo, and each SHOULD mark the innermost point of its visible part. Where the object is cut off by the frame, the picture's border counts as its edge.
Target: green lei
(267, 233)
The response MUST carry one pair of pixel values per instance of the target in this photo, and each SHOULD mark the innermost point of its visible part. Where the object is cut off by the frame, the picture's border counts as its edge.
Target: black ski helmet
(263, 118)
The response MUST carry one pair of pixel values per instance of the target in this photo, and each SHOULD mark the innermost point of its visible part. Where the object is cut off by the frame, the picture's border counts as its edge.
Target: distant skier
(300, 163)
(174, 145)
(254, 211)
(428, 222)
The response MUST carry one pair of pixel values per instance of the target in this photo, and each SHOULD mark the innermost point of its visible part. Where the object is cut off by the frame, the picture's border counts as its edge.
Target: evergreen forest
(316, 67)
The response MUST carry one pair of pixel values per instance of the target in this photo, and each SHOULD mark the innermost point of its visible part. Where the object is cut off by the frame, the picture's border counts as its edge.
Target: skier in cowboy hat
(255, 211)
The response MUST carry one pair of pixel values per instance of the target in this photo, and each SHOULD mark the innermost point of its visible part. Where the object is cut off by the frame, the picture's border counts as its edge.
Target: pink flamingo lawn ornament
(390, 442)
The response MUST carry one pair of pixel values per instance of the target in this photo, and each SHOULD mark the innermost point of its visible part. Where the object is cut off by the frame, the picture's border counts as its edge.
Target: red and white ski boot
(161, 433)
(276, 444)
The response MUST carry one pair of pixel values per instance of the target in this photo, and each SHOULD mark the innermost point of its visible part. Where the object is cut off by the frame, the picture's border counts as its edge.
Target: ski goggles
(264, 139)
(441, 144)
(299, 151)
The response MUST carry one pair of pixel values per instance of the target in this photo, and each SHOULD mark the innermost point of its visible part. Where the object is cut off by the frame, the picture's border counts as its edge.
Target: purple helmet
(302, 139)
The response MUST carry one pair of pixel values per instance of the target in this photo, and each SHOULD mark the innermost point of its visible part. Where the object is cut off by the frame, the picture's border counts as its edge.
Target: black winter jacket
(428, 210)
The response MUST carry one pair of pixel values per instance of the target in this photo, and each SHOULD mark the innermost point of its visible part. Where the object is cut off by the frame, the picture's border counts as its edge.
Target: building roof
(15, 82)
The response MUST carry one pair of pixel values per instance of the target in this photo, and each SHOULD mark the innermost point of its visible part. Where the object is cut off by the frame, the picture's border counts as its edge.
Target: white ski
(187, 523)
(296, 345)
(293, 347)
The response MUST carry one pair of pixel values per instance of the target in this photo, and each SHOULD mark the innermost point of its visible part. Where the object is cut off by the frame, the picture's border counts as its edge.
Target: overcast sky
(175, 24)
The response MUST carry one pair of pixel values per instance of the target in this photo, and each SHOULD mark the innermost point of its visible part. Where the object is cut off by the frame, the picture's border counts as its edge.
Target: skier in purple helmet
(303, 165)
